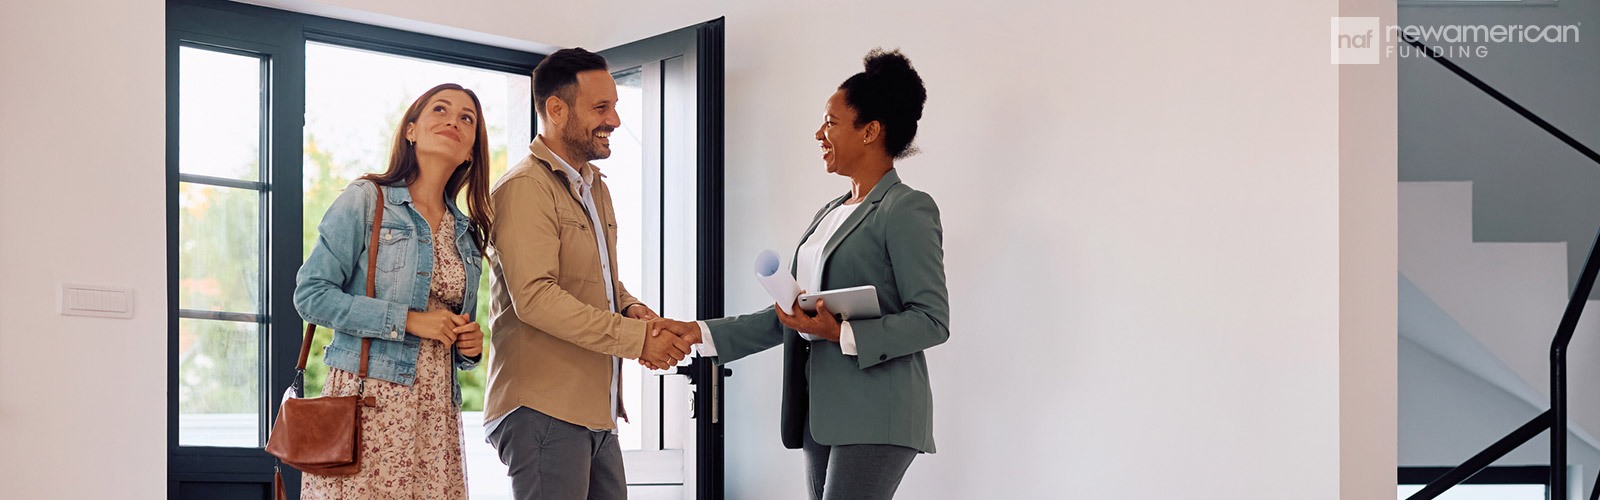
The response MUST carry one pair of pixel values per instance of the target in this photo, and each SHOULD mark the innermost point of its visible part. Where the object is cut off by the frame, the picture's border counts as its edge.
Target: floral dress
(411, 442)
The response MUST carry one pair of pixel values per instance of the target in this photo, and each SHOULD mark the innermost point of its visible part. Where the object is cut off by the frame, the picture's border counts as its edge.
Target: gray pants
(855, 471)
(550, 459)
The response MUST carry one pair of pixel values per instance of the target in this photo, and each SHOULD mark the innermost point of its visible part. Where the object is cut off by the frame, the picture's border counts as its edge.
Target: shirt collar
(585, 179)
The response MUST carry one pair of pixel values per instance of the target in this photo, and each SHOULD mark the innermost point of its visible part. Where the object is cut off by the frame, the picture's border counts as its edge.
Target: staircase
(1491, 307)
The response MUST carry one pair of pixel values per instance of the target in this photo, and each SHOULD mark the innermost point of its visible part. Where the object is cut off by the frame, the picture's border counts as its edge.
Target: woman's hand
(822, 324)
(469, 337)
(437, 324)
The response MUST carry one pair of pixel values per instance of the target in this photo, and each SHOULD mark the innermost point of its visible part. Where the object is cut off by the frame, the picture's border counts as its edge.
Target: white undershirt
(808, 261)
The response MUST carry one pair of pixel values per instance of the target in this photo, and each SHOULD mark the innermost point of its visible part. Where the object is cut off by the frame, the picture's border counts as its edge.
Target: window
(221, 199)
(354, 100)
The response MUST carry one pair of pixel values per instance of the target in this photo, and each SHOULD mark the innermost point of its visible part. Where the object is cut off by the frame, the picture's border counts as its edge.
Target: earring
(411, 143)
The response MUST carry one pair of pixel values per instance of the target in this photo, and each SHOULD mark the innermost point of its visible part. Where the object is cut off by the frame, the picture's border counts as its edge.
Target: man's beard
(583, 144)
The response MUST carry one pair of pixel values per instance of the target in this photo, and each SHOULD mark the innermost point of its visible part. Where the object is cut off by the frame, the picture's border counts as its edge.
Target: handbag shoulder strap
(372, 274)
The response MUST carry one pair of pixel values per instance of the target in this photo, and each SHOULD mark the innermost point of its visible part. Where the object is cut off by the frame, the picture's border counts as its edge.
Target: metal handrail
(1555, 419)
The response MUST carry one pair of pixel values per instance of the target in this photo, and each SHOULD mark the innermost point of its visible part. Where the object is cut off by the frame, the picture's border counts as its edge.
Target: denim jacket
(330, 289)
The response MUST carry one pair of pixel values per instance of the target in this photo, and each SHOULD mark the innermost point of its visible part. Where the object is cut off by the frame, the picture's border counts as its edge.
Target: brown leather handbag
(323, 435)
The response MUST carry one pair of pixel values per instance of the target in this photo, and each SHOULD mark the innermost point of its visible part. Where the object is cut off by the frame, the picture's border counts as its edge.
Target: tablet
(849, 303)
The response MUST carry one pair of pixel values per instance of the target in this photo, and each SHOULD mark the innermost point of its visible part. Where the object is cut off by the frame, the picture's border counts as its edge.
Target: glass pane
(624, 176)
(355, 100)
(219, 112)
(219, 266)
(1482, 492)
(219, 390)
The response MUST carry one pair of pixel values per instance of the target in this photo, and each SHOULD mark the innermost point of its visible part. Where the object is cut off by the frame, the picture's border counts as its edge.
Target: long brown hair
(474, 173)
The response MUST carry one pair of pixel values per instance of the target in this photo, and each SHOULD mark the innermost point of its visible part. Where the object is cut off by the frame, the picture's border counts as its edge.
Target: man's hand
(688, 331)
(821, 324)
(641, 312)
(663, 351)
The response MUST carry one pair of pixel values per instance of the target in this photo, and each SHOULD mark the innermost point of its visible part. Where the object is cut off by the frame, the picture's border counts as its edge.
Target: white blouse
(809, 267)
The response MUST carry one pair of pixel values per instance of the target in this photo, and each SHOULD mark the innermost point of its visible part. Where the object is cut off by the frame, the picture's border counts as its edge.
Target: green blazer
(895, 243)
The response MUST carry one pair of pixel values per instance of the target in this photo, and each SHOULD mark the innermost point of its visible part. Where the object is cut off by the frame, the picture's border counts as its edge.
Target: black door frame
(705, 42)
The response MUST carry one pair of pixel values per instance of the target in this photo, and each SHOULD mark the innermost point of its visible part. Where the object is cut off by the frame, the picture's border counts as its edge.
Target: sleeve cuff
(396, 323)
(847, 339)
(706, 349)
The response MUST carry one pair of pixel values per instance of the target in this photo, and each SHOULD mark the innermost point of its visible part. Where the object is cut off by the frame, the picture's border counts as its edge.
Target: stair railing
(1554, 419)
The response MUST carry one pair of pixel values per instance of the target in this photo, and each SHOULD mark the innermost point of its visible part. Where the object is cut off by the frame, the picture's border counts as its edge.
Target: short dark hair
(890, 92)
(557, 75)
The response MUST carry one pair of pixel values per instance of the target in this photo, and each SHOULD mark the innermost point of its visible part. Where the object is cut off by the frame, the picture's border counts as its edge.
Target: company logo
(1360, 40)
(1355, 40)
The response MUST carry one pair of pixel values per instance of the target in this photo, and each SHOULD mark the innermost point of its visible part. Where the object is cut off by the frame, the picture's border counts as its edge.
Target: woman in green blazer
(856, 395)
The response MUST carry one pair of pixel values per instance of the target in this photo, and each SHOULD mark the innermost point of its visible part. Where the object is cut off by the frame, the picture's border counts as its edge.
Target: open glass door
(665, 175)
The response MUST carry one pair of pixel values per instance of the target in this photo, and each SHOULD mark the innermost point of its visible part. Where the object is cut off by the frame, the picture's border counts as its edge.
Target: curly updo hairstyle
(890, 92)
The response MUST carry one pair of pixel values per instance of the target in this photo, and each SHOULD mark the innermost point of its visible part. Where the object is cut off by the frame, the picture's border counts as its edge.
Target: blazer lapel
(794, 260)
(868, 205)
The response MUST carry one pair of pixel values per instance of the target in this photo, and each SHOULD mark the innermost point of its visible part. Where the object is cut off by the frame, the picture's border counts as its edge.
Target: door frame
(704, 43)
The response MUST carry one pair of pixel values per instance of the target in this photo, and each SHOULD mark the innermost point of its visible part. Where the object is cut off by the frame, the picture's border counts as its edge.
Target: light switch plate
(101, 301)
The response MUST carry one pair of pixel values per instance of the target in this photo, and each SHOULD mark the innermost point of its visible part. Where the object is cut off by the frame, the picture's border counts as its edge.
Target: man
(561, 318)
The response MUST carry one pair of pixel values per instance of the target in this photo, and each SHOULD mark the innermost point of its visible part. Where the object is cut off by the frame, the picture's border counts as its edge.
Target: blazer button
(883, 357)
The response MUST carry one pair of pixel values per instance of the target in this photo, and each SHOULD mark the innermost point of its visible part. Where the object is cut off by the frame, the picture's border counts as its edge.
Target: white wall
(82, 400)
(1142, 211)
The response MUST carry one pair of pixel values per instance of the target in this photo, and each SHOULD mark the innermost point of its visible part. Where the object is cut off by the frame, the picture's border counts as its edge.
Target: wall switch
(102, 301)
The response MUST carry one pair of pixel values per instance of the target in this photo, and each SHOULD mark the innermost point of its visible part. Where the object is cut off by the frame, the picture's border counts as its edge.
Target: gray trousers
(855, 471)
(550, 459)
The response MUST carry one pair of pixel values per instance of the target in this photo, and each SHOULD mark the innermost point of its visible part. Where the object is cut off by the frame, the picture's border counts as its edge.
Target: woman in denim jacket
(421, 318)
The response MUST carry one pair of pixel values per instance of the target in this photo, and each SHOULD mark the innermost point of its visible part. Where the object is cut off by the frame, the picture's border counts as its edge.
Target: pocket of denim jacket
(394, 248)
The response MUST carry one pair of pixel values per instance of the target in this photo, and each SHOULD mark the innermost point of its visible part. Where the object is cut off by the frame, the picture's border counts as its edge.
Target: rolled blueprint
(780, 285)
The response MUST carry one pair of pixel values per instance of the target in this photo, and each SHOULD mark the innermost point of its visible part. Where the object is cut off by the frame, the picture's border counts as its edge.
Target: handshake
(668, 343)
(662, 352)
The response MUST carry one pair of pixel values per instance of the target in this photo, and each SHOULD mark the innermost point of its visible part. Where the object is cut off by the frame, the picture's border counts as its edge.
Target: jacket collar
(542, 151)
(399, 195)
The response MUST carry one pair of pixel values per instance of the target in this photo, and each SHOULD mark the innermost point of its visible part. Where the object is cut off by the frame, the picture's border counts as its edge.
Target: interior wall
(82, 182)
(1368, 262)
(1141, 212)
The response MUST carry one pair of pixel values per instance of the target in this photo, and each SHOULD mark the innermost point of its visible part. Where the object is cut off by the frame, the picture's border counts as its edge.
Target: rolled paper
(780, 285)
